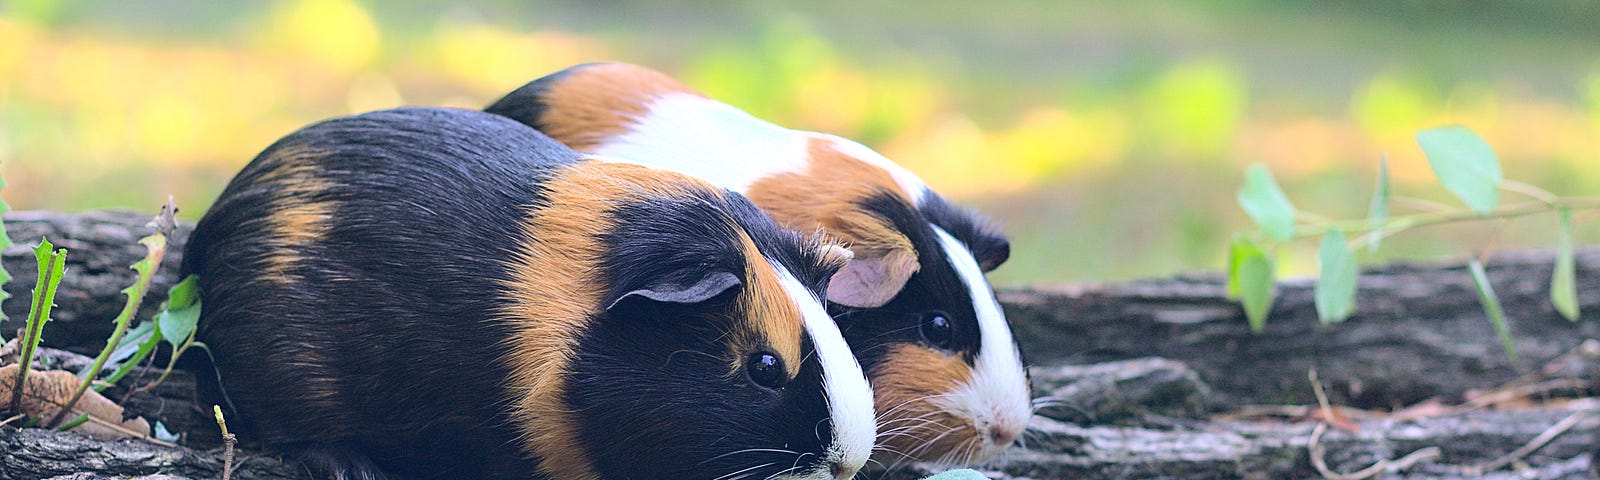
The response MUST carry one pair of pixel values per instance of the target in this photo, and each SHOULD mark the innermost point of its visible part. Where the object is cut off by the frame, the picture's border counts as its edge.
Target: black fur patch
(661, 348)
(990, 247)
(935, 287)
(427, 206)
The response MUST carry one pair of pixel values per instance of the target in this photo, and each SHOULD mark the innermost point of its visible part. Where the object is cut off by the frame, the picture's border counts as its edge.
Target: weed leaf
(1563, 287)
(1336, 284)
(1491, 307)
(1264, 201)
(1465, 165)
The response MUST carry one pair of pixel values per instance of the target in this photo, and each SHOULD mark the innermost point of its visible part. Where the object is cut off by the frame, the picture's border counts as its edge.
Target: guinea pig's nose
(1001, 435)
(841, 472)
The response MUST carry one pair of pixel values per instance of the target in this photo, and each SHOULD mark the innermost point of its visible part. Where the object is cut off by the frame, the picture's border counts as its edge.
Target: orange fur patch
(828, 194)
(556, 293)
(294, 224)
(904, 384)
(595, 103)
(775, 319)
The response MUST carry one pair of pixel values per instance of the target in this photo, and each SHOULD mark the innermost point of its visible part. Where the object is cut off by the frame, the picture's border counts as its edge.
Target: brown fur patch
(595, 103)
(776, 320)
(903, 386)
(555, 293)
(828, 194)
(294, 224)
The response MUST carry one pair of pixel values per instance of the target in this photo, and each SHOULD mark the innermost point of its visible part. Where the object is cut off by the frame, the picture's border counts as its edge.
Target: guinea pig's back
(372, 243)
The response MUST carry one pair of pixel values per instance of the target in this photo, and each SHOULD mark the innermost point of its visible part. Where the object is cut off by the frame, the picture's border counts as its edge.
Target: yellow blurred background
(1108, 137)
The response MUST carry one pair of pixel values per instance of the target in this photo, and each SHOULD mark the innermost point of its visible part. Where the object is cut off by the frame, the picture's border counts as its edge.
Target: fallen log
(1137, 374)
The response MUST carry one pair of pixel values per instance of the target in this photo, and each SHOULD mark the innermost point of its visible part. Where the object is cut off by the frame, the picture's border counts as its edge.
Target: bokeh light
(1108, 138)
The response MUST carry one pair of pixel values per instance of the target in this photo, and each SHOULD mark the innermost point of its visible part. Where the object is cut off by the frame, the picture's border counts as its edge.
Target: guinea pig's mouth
(925, 431)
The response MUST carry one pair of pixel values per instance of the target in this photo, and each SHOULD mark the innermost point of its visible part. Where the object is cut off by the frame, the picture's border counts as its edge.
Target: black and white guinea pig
(914, 303)
(444, 293)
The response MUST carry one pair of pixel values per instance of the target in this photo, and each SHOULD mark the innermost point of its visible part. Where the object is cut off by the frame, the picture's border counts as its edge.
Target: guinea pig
(913, 304)
(445, 293)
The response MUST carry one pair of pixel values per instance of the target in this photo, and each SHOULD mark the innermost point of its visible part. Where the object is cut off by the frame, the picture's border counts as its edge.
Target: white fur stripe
(849, 396)
(707, 139)
(997, 394)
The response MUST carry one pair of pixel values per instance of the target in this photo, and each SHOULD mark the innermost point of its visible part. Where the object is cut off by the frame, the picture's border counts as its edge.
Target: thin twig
(12, 419)
(1522, 391)
(1532, 445)
(1318, 453)
(228, 441)
(1318, 461)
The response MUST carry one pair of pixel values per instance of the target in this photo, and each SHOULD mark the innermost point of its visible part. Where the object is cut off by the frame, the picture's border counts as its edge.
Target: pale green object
(962, 474)
(1265, 203)
(1465, 165)
(1378, 211)
(1336, 282)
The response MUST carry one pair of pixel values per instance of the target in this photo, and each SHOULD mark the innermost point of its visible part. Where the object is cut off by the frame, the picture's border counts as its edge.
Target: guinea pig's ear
(991, 251)
(872, 278)
(693, 289)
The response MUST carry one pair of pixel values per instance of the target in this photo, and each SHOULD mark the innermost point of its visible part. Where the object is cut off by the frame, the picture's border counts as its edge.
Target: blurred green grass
(1108, 137)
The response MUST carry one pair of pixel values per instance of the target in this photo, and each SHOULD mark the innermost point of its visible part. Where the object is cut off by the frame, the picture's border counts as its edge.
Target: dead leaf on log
(47, 390)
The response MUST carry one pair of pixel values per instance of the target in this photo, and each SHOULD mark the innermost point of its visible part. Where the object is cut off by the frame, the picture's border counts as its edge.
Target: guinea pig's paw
(338, 462)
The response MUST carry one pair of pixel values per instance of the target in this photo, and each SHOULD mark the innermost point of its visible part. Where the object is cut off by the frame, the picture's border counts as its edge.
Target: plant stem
(1531, 191)
(1427, 219)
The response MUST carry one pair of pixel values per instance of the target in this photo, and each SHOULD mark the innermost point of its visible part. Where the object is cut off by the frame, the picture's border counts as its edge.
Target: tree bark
(1140, 373)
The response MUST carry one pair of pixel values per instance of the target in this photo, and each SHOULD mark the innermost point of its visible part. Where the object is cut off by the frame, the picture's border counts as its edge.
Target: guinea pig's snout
(1002, 435)
(841, 471)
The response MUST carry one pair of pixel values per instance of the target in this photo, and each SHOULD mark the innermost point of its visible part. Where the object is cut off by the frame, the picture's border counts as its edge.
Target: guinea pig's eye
(937, 329)
(766, 369)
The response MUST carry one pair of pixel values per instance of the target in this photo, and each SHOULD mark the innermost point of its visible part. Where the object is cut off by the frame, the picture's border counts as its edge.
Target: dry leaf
(10, 353)
(48, 389)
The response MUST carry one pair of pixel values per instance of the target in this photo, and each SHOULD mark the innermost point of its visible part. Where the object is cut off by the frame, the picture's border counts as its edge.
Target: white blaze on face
(708, 139)
(997, 395)
(849, 397)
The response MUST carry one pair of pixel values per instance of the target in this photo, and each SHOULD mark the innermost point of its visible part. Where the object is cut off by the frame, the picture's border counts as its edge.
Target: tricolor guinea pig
(443, 293)
(913, 304)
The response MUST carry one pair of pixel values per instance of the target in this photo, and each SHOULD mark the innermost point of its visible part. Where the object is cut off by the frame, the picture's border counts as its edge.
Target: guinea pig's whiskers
(745, 473)
(923, 447)
(750, 450)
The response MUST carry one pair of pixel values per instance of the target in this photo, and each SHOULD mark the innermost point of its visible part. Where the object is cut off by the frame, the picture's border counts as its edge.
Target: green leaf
(182, 312)
(1465, 165)
(1250, 279)
(129, 344)
(1491, 307)
(144, 339)
(1237, 251)
(5, 242)
(1336, 284)
(178, 324)
(185, 293)
(1378, 210)
(52, 265)
(1563, 287)
(1266, 204)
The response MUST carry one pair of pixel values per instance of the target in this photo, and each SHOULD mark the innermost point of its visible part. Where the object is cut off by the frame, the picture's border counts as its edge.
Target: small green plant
(52, 265)
(155, 249)
(5, 242)
(1464, 164)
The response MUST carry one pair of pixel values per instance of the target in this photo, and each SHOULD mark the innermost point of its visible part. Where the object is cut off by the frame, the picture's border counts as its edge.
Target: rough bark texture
(1138, 374)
